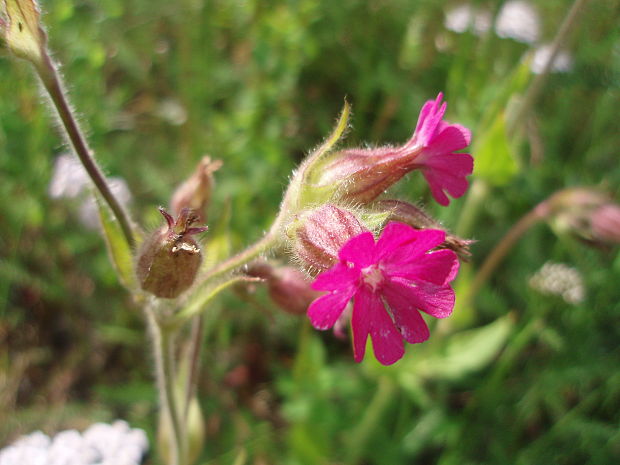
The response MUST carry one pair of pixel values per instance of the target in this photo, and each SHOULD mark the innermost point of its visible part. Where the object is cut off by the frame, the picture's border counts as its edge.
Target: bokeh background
(525, 374)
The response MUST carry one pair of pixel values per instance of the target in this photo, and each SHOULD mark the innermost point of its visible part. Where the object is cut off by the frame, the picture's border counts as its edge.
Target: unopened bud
(414, 216)
(319, 234)
(195, 192)
(169, 260)
(589, 214)
(606, 224)
(288, 287)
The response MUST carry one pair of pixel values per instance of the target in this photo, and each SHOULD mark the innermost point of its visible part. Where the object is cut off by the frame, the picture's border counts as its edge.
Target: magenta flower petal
(361, 322)
(438, 267)
(371, 317)
(400, 243)
(437, 301)
(452, 138)
(337, 277)
(430, 118)
(325, 311)
(448, 173)
(359, 250)
(410, 323)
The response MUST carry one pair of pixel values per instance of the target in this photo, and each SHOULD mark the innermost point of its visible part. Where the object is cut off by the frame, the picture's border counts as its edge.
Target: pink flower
(443, 169)
(390, 281)
(361, 175)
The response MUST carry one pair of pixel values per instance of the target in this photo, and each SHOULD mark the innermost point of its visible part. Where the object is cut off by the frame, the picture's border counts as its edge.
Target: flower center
(372, 276)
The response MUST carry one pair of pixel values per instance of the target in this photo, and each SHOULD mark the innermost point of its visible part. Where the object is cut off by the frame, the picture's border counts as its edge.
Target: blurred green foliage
(526, 378)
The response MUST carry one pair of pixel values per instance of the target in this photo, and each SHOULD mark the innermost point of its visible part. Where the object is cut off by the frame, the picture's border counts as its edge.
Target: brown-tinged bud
(319, 234)
(589, 214)
(169, 259)
(414, 216)
(195, 192)
(288, 287)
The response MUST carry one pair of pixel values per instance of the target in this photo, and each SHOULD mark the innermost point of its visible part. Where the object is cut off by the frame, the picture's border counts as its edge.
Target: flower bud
(404, 212)
(589, 214)
(319, 234)
(170, 258)
(195, 192)
(288, 287)
(606, 224)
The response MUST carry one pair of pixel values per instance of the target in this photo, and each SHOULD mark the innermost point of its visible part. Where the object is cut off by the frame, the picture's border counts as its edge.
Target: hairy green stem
(51, 80)
(163, 345)
(268, 241)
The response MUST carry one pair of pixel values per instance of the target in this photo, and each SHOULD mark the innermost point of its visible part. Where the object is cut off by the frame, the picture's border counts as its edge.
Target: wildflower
(390, 281)
(518, 20)
(363, 174)
(562, 63)
(466, 17)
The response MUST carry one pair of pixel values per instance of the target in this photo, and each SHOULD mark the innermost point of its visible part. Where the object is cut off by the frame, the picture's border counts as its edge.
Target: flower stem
(268, 241)
(370, 420)
(163, 345)
(51, 80)
(538, 213)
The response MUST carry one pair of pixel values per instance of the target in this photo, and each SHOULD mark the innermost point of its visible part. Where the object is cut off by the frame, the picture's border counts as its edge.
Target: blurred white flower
(465, 17)
(69, 178)
(563, 62)
(70, 181)
(518, 20)
(101, 443)
(561, 280)
(88, 214)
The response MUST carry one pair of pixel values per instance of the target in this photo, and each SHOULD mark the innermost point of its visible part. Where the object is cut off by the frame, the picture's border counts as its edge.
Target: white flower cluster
(561, 280)
(100, 444)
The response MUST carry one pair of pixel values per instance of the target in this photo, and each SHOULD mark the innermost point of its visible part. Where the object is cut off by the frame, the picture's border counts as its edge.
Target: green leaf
(495, 161)
(465, 352)
(118, 247)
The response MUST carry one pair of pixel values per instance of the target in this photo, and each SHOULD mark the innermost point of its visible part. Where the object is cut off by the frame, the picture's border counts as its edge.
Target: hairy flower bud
(319, 234)
(288, 287)
(169, 259)
(404, 212)
(195, 192)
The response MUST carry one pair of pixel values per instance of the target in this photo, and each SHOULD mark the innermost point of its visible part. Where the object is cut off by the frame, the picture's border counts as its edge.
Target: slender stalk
(269, 240)
(53, 84)
(538, 213)
(533, 91)
(163, 347)
(194, 362)
(370, 420)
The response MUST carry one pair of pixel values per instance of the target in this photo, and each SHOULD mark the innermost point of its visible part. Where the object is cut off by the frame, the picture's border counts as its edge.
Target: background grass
(520, 377)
